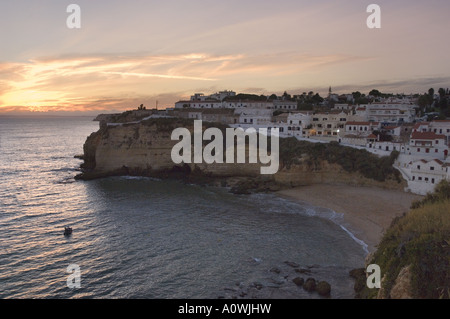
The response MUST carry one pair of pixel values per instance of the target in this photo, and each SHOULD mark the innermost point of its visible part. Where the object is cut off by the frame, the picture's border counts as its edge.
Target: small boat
(67, 231)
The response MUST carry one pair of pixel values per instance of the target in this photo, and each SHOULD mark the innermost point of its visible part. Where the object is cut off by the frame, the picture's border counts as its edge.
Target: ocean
(148, 238)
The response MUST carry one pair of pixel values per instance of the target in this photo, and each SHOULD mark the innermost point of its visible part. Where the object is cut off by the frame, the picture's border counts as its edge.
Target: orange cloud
(103, 82)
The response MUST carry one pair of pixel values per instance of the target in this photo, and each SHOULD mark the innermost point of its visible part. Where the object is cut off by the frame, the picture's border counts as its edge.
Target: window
(420, 178)
(349, 128)
(418, 150)
(418, 167)
(432, 168)
(432, 181)
(413, 178)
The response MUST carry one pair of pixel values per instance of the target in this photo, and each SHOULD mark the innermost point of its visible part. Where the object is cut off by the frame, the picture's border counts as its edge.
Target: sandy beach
(368, 211)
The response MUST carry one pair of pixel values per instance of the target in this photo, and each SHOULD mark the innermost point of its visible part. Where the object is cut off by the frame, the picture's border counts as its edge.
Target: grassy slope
(421, 239)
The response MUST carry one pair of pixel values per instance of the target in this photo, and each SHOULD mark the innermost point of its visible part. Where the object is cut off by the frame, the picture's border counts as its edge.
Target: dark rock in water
(358, 272)
(313, 266)
(292, 264)
(298, 281)
(323, 288)
(275, 270)
(238, 190)
(302, 271)
(310, 284)
(359, 275)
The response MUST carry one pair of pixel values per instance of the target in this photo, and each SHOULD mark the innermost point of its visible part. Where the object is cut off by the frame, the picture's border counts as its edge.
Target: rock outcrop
(143, 148)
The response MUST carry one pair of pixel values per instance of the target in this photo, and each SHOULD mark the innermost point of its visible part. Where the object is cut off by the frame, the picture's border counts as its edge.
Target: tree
(375, 93)
(142, 107)
(441, 92)
(423, 101)
(431, 92)
(286, 96)
(356, 95)
(317, 98)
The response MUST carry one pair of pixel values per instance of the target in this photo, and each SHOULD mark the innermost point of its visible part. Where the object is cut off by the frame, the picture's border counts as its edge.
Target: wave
(359, 241)
(305, 209)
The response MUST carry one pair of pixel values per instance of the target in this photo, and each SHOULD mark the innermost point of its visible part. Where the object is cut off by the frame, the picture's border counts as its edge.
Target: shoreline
(367, 211)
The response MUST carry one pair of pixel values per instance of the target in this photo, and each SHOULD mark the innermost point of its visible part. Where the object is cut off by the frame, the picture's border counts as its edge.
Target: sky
(134, 52)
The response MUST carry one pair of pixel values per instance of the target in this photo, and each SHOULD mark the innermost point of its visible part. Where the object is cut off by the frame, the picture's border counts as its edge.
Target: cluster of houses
(379, 127)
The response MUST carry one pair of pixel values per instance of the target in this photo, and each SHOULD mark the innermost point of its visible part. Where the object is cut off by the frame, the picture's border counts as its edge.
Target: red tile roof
(426, 136)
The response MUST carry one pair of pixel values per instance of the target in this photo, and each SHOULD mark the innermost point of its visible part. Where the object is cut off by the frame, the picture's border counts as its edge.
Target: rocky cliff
(144, 148)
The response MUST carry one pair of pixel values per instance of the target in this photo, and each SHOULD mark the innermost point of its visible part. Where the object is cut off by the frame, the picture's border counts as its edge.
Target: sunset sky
(139, 51)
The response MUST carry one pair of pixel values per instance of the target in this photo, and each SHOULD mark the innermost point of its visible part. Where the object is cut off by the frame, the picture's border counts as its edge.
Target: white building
(255, 117)
(222, 95)
(361, 128)
(284, 105)
(329, 124)
(390, 112)
(428, 144)
(199, 104)
(393, 130)
(423, 175)
(343, 106)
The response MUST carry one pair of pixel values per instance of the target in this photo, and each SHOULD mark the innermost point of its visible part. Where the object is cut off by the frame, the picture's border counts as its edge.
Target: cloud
(119, 82)
(84, 82)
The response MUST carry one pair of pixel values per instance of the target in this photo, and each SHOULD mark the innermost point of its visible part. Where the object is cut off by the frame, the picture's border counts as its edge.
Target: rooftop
(426, 136)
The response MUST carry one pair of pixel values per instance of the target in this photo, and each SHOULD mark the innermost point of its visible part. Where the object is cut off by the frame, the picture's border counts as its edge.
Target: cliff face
(144, 148)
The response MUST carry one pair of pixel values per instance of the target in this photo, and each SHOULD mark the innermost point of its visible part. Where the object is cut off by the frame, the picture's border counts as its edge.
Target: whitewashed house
(391, 112)
(361, 128)
(284, 105)
(424, 175)
(428, 144)
(393, 130)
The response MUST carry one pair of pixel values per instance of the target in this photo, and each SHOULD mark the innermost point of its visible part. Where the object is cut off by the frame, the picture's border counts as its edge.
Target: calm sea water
(146, 238)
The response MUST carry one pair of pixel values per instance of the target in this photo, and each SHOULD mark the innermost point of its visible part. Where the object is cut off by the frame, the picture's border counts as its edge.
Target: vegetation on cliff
(419, 241)
(293, 151)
